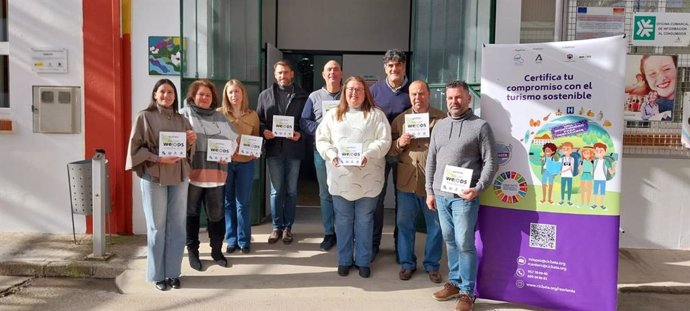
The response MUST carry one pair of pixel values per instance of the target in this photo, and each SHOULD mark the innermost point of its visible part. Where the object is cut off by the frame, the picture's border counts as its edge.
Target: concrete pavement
(300, 274)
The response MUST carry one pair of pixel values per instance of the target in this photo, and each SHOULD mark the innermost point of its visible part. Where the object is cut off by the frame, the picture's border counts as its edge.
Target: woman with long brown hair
(163, 183)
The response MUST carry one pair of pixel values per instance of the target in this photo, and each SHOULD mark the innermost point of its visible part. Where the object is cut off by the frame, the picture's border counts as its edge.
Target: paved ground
(275, 277)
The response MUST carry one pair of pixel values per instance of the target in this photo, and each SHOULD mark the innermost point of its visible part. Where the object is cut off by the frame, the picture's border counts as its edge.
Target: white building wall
(149, 18)
(655, 204)
(34, 195)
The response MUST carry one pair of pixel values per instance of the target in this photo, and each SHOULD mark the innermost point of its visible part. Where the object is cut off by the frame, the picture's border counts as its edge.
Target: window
(447, 37)
(222, 42)
(538, 21)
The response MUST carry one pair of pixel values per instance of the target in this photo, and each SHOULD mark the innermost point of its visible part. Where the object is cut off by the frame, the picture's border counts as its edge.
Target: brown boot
(275, 236)
(287, 236)
(406, 274)
(435, 276)
(448, 292)
(465, 303)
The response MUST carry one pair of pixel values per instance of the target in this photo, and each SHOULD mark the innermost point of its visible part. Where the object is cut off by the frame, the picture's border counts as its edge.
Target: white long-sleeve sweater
(374, 133)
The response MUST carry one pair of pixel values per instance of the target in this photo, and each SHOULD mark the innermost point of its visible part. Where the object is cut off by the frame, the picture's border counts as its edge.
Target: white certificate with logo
(283, 126)
(328, 105)
(250, 145)
(172, 144)
(350, 154)
(456, 179)
(220, 150)
(417, 125)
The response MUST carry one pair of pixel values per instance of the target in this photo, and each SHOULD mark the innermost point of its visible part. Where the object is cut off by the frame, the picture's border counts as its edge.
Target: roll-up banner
(548, 228)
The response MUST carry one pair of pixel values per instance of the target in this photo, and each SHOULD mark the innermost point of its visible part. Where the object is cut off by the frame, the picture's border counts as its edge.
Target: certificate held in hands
(250, 145)
(172, 144)
(220, 150)
(283, 126)
(456, 179)
(417, 125)
(350, 154)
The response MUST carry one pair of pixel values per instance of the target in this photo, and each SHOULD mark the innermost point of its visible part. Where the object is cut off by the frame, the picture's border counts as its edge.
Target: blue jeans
(409, 205)
(165, 210)
(458, 218)
(566, 187)
(599, 187)
(324, 195)
(284, 174)
(238, 189)
(354, 223)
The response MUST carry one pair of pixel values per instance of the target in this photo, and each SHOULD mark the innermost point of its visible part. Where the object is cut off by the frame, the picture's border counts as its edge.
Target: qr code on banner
(542, 236)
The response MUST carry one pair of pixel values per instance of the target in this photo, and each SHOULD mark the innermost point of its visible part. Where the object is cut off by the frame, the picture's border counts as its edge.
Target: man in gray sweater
(314, 109)
(462, 140)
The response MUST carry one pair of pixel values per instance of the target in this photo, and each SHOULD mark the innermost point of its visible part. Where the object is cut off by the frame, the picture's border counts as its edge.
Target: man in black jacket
(284, 154)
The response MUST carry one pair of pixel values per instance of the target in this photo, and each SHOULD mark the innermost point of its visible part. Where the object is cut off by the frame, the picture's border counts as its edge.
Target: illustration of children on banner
(586, 175)
(574, 153)
(570, 163)
(603, 170)
(550, 167)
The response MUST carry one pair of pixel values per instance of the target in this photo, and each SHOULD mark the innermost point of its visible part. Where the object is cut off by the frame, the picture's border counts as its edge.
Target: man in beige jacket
(410, 145)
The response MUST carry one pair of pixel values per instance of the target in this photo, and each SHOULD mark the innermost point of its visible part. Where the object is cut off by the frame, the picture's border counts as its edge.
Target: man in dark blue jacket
(283, 154)
(392, 96)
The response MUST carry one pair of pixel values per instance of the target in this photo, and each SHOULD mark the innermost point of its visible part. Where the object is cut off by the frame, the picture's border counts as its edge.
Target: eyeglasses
(355, 90)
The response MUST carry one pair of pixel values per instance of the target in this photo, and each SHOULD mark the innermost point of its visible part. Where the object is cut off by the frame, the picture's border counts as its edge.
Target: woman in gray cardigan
(207, 177)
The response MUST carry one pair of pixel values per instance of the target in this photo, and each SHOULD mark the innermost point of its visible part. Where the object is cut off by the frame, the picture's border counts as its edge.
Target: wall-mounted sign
(599, 22)
(49, 60)
(661, 29)
(650, 87)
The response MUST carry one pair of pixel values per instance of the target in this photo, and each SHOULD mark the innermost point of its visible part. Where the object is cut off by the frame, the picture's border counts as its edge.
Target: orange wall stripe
(106, 117)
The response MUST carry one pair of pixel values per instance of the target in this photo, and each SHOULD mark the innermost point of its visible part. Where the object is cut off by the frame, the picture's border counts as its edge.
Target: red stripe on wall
(126, 125)
(107, 115)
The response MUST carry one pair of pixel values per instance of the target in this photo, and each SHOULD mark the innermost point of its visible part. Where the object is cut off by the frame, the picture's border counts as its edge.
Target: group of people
(373, 119)
(176, 187)
(360, 137)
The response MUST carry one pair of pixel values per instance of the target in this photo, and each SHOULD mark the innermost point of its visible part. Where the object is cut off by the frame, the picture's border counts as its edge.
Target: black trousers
(211, 199)
(391, 165)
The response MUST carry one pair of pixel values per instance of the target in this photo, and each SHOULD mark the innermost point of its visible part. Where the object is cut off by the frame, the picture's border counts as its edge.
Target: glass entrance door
(222, 41)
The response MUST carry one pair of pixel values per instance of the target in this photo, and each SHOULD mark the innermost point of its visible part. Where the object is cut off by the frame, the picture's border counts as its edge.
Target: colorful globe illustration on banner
(510, 187)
